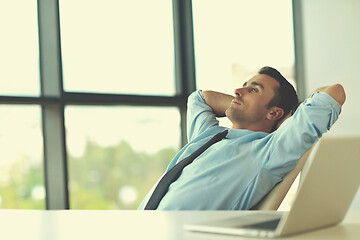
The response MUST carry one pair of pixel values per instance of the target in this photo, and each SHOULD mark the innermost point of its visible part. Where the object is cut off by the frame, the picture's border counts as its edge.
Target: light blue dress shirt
(238, 171)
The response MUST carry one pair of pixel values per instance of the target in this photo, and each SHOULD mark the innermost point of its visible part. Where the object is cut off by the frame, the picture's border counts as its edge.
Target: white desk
(127, 225)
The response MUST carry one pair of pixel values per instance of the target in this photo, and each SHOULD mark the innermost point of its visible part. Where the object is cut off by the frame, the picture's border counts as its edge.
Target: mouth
(236, 101)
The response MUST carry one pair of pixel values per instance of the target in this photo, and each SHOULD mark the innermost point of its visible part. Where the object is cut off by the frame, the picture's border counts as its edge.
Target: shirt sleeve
(200, 116)
(282, 149)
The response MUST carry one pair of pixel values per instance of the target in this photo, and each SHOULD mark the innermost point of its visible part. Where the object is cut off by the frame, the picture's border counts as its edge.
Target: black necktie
(174, 173)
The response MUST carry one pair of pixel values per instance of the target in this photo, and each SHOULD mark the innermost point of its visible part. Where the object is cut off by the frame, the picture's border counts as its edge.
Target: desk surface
(127, 225)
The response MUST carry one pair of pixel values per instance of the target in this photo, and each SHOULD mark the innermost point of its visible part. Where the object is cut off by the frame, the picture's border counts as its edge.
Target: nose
(239, 92)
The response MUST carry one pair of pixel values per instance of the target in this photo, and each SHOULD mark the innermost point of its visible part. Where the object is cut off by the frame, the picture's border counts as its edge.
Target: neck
(254, 127)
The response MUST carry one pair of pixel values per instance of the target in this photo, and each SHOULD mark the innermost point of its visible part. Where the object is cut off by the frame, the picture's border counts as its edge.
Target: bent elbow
(337, 92)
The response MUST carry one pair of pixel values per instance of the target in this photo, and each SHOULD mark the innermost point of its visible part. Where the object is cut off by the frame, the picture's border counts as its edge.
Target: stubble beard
(234, 115)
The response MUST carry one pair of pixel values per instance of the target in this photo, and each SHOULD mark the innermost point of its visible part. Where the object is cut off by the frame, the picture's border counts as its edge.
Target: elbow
(341, 94)
(337, 92)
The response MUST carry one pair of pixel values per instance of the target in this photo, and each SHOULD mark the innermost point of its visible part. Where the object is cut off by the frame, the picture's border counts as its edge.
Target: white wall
(331, 31)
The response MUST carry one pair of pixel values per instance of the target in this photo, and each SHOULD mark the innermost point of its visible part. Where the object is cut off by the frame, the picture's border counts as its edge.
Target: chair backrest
(274, 198)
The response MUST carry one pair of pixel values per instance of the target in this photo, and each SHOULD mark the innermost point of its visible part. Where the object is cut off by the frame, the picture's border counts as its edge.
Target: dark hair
(286, 97)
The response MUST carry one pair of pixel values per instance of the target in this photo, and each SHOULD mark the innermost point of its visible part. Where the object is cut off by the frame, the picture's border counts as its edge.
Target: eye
(254, 90)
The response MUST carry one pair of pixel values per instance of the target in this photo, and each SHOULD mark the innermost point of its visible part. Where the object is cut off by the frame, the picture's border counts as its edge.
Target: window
(235, 38)
(112, 83)
(116, 154)
(21, 154)
(118, 46)
(19, 58)
(113, 69)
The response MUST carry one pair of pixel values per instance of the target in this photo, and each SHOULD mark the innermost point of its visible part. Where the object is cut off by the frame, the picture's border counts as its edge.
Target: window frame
(53, 98)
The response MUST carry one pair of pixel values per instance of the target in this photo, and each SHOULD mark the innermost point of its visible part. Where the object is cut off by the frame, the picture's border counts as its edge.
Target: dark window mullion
(299, 49)
(55, 166)
(184, 55)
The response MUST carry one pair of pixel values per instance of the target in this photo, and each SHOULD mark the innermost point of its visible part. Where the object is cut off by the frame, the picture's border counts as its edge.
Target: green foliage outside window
(113, 177)
(21, 189)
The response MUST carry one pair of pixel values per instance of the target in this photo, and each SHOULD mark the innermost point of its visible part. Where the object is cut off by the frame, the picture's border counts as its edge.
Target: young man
(238, 171)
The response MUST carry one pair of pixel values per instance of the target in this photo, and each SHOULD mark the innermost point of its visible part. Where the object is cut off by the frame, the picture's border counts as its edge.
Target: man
(238, 171)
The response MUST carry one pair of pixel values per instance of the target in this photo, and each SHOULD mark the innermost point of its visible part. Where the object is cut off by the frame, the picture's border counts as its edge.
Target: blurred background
(93, 93)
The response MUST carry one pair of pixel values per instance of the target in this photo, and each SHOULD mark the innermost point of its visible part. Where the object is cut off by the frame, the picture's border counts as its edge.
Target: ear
(275, 114)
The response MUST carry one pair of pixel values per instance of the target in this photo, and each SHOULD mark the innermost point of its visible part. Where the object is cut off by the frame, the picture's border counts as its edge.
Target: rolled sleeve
(298, 134)
(200, 116)
(327, 110)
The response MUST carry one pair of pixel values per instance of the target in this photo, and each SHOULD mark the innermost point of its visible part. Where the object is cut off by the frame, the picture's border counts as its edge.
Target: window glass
(235, 38)
(116, 154)
(19, 50)
(118, 46)
(21, 154)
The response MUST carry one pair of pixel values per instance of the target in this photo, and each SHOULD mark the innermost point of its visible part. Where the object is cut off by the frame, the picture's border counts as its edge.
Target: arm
(336, 91)
(219, 102)
(314, 117)
(200, 116)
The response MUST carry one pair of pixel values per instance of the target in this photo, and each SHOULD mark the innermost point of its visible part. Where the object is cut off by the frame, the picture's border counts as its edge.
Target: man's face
(250, 105)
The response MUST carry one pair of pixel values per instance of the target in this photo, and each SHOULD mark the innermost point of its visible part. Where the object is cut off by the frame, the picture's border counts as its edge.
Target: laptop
(328, 185)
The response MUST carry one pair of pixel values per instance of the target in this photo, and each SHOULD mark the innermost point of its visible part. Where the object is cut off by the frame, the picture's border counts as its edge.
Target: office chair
(275, 197)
